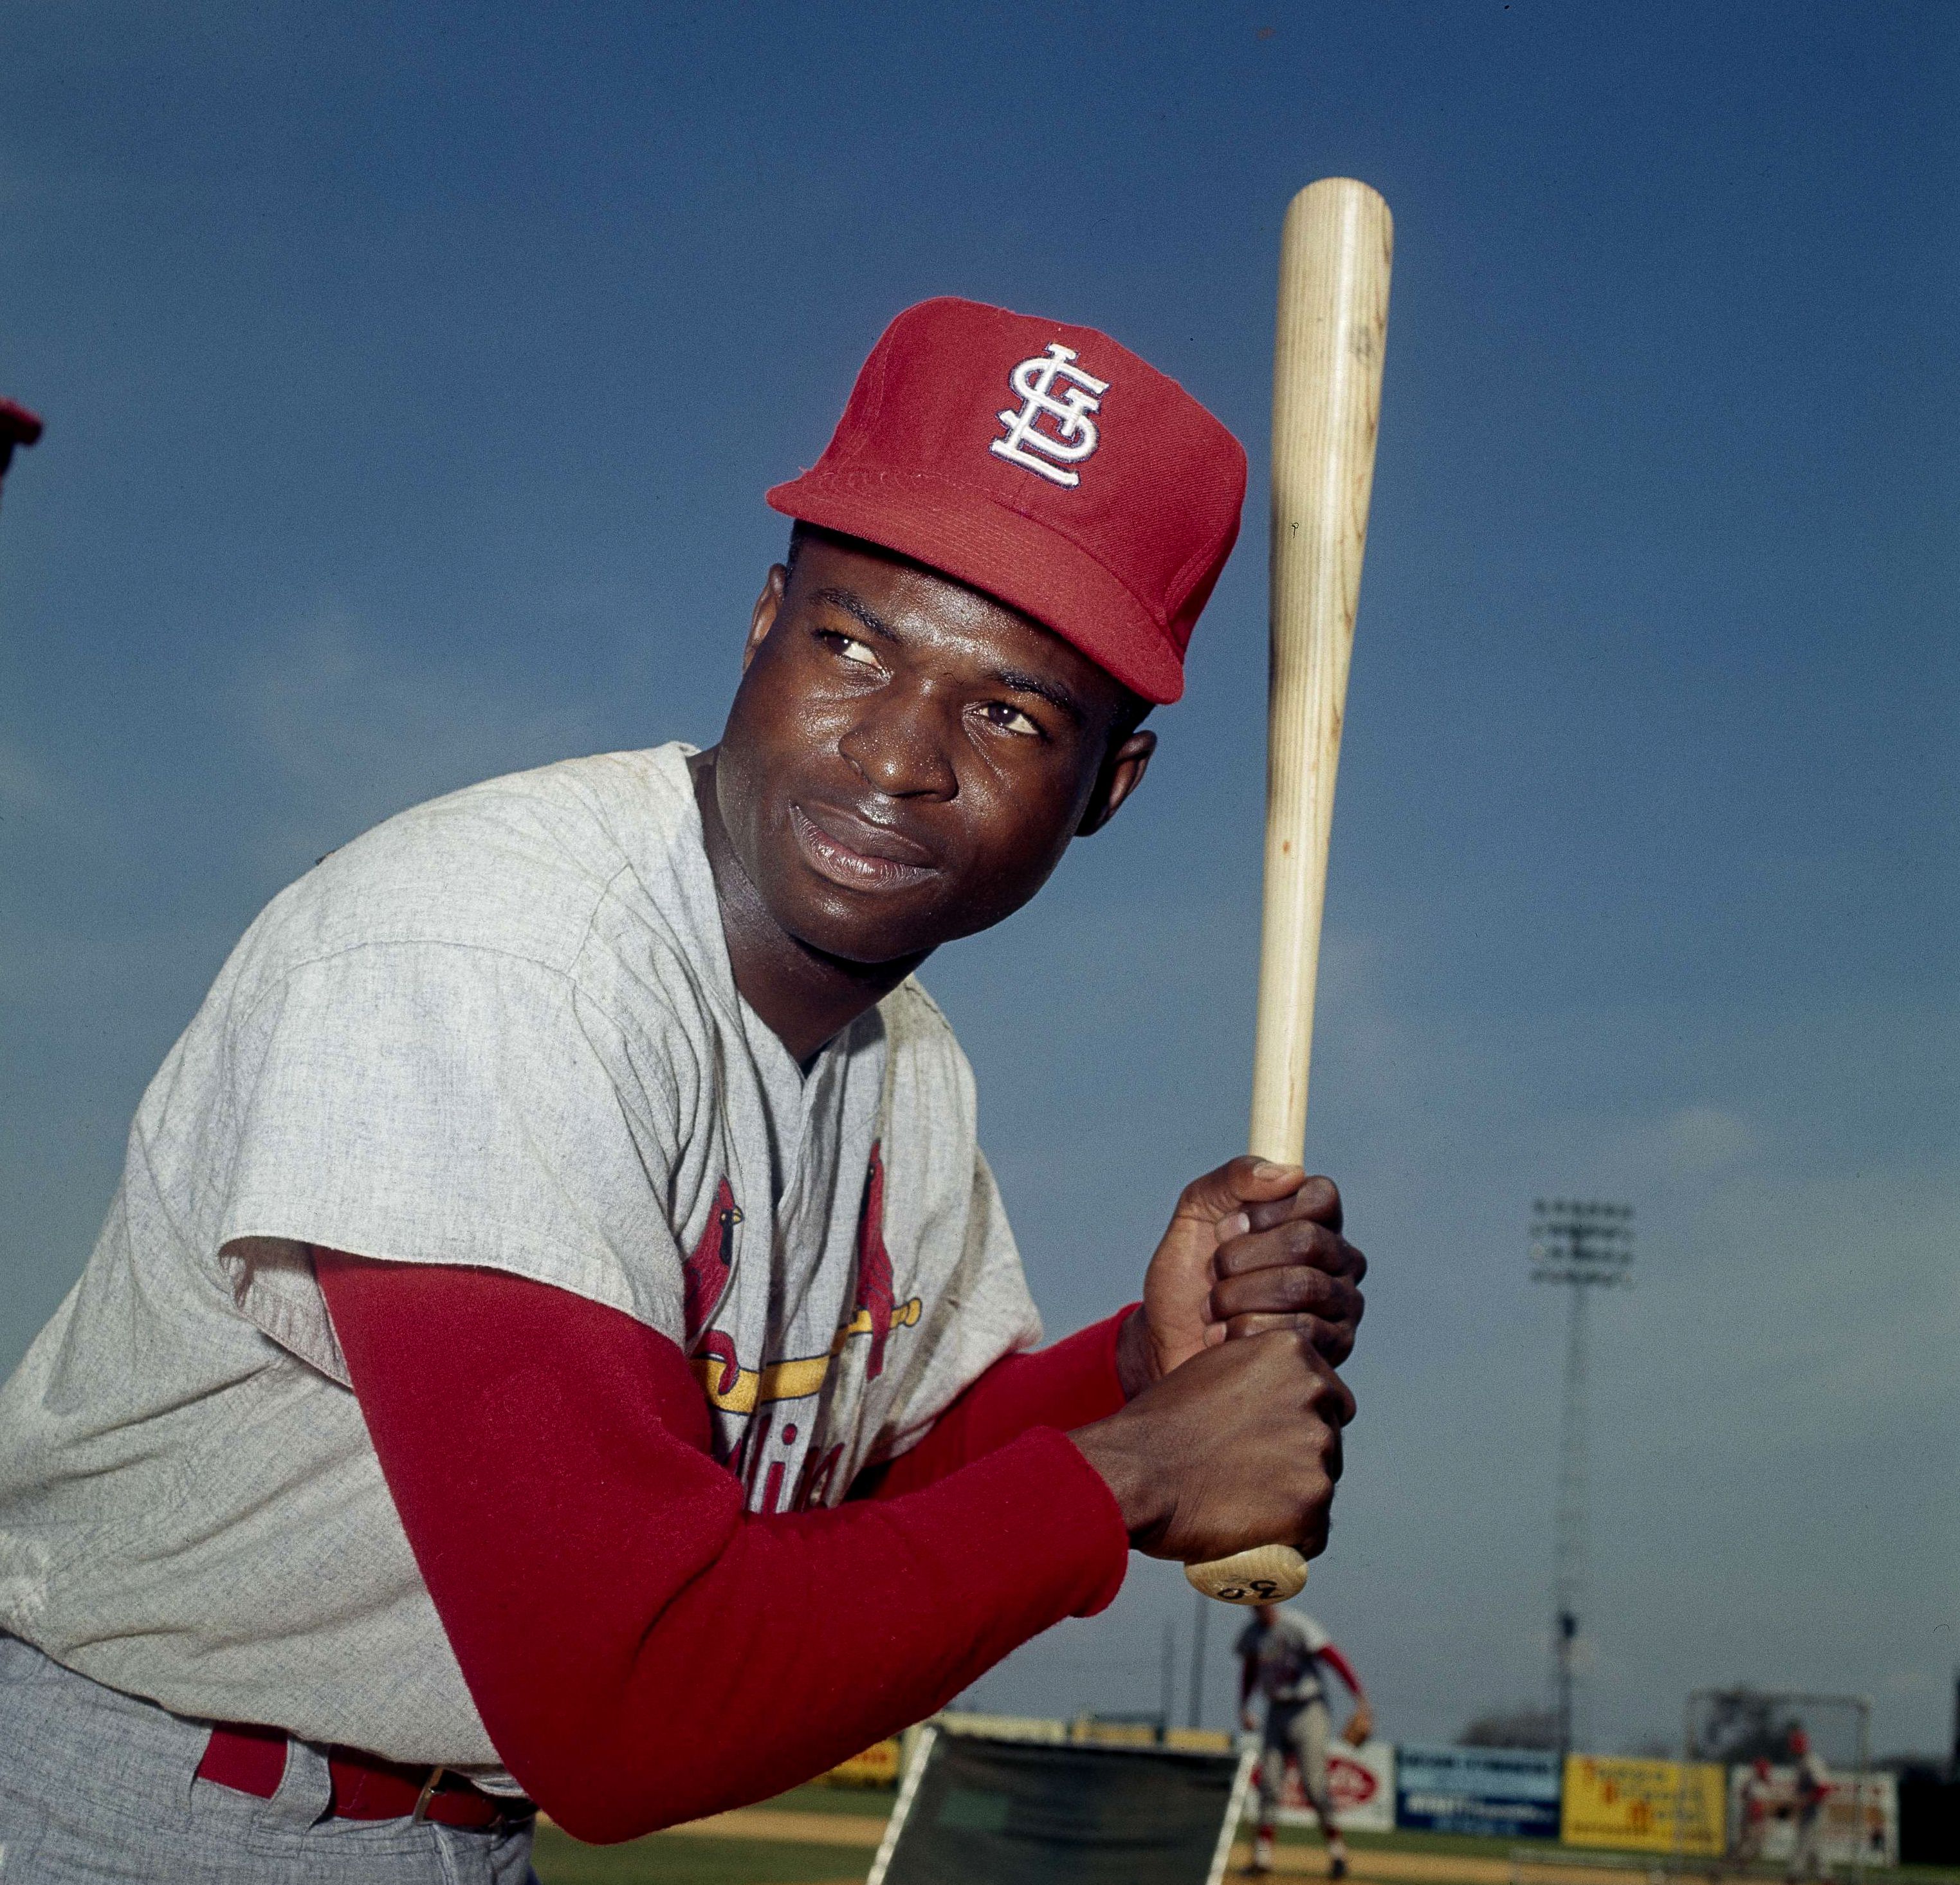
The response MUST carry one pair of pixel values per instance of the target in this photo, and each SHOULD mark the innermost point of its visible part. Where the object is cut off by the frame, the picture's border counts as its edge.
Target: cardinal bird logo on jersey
(707, 1269)
(874, 1298)
(759, 1391)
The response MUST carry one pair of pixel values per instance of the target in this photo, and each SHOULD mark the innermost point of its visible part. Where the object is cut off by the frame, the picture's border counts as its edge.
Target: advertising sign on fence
(1508, 1793)
(1839, 1836)
(1644, 1806)
(1363, 1782)
(877, 1766)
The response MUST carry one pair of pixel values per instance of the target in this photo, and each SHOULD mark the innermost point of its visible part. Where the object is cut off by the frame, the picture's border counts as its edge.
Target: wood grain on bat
(1332, 330)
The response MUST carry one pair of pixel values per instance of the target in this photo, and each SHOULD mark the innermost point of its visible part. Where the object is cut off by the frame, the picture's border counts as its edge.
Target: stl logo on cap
(1074, 436)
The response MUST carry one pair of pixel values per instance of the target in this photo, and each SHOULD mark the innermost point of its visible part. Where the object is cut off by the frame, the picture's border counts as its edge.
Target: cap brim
(1007, 554)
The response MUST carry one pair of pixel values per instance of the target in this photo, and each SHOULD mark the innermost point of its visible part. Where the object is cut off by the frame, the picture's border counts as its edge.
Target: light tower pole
(1586, 1246)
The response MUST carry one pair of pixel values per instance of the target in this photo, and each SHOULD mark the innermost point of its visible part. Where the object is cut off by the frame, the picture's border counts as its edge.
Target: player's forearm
(640, 1650)
(814, 1635)
(1068, 1384)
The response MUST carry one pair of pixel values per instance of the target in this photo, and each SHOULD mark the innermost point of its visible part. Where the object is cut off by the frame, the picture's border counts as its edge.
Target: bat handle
(1266, 1573)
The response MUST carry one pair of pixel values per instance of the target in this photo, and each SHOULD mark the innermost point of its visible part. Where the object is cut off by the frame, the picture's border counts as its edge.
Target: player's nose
(899, 742)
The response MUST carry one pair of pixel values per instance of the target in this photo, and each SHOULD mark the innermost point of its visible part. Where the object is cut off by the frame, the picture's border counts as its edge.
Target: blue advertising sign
(1510, 1792)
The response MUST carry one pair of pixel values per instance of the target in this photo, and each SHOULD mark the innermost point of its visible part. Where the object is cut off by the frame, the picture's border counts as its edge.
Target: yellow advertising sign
(877, 1766)
(1643, 1806)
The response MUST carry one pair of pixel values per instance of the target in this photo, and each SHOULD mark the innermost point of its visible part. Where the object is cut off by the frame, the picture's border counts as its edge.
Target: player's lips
(856, 852)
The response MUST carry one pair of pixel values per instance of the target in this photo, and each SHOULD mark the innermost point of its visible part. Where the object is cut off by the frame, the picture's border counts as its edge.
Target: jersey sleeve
(440, 1104)
(642, 1650)
(1311, 1638)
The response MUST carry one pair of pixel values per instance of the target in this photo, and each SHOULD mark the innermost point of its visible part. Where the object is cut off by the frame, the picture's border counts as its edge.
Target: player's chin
(867, 926)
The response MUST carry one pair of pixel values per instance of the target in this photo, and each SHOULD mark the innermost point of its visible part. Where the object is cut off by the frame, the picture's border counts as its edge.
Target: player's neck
(803, 996)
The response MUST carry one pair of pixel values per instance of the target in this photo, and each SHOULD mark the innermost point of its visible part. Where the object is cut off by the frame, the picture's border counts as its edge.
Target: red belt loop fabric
(252, 1760)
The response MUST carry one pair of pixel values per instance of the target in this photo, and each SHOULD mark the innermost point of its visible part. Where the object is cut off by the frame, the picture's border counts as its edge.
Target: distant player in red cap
(1758, 1799)
(557, 1340)
(17, 427)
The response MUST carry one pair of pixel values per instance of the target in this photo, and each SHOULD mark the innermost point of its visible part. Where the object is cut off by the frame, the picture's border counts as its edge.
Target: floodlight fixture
(1586, 1244)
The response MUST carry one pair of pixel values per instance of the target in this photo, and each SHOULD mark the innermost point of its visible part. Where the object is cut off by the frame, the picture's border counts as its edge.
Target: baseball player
(17, 427)
(1281, 1652)
(556, 1341)
(1758, 1800)
(1813, 1789)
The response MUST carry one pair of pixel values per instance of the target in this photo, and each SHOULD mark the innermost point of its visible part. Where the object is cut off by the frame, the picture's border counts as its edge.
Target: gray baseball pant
(1299, 1729)
(97, 1785)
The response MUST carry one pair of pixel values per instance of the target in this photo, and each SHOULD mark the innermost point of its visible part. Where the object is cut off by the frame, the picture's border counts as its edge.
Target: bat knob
(1266, 1573)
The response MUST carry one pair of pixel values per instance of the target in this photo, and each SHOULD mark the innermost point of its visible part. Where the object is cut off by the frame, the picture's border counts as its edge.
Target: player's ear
(1122, 773)
(762, 617)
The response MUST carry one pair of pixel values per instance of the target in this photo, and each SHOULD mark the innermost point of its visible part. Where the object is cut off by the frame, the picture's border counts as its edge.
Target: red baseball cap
(1045, 464)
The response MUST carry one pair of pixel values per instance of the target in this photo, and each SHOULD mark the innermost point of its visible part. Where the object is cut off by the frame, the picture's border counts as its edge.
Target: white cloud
(1700, 1139)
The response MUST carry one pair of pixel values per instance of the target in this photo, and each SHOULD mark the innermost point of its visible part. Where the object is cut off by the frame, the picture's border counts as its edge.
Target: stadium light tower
(1586, 1246)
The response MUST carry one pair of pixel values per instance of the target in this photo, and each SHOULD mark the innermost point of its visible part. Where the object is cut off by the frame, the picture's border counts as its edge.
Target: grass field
(840, 1853)
(676, 1858)
(672, 1859)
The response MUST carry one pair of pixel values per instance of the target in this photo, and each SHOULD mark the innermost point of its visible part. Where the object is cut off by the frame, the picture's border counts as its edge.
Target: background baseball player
(1281, 1654)
(17, 427)
(1813, 1789)
(1759, 1795)
(557, 1340)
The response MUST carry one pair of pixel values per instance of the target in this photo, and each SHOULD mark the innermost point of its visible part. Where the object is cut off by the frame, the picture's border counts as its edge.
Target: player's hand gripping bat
(1327, 397)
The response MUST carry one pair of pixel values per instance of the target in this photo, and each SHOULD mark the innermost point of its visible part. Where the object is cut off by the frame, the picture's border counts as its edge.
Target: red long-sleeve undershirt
(642, 1650)
(1342, 1667)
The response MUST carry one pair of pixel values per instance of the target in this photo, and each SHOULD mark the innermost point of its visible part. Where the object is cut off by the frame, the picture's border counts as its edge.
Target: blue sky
(413, 378)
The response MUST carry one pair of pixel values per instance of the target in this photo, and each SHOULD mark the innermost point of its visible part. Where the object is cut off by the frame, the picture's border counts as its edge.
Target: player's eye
(848, 647)
(1010, 719)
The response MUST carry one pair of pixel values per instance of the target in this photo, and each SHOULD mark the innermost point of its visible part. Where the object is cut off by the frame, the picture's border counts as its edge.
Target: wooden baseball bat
(1333, 326)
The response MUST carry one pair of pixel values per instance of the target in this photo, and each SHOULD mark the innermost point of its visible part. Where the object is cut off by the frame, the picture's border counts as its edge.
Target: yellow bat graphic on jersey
(792, 1380)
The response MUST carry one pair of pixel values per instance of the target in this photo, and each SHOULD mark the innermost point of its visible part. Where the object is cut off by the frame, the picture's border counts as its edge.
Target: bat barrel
(1327, 397)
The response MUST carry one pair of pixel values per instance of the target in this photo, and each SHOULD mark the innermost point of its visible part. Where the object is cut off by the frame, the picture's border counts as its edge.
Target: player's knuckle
(1294, 1288)
(1272, 1212)
(1334, 1400)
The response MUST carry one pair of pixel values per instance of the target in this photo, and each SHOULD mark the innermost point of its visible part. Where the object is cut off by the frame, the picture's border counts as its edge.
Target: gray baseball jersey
(500, 1030)
(1288, 1655)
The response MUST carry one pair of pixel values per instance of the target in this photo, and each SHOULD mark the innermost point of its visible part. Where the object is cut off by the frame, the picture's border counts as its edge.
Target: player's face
(907, 758)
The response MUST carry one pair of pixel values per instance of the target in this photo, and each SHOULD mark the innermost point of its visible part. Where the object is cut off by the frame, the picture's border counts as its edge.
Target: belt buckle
(429, 1786)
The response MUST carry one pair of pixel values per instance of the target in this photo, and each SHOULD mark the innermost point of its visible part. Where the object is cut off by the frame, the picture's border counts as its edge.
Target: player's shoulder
(1307, 1630)
(516, 866)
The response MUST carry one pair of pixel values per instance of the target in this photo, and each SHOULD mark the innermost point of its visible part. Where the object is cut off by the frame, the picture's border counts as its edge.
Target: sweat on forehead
(1045, 465)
